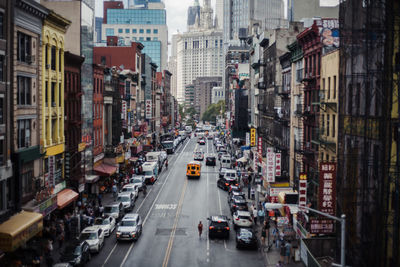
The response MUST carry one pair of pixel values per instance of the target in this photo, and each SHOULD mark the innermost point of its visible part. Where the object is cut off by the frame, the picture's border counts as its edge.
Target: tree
(213, 111)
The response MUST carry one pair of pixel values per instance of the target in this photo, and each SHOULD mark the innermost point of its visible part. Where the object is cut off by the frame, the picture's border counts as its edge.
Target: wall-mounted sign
(278, 163)
(321, 226)
(247, 139)
(327, 187)
(303, 189)
(148, 109)
(270, 165)
(253, 137)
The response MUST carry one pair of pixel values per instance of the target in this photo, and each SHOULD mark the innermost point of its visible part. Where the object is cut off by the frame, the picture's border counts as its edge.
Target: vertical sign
(303, 189)
(327, 187)
(253, 137)
(247, 139)
(259, 149)
(148, 109)
(270, 165)
(278, 161)
(52, 170)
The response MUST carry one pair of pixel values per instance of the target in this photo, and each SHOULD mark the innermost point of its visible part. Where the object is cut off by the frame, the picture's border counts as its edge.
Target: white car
(94, 236)
(131, 188)
(242, 219)
(127, 199)
(138, 181)
(130, 227)
(107, 224)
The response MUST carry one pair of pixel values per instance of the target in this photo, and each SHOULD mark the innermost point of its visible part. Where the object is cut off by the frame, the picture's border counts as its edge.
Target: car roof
(90, 229)
(130, 216)
(217, 218)
(243, 213)
(113, 204)
(230, 170)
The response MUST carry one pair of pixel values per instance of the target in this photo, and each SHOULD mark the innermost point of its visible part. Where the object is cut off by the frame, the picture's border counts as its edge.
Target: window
(27, 184)
(1, 68)
(53, 57)
(1, 25)
(1, 152)
(148, 39)
(327, 125)
(334, 87)
(1, 109)
(24, 90)
(333, 125)
(134, 31)
(127, 30)
(24, 133)
(299, 71)
(53, 94)
(148, 30)
(120, 31)
(216, 43)
(24, 48)
(323, 122)
(155, 39)
(109, 32)
(141, 38)
(155, 31)
(141, 31)
(329, 88)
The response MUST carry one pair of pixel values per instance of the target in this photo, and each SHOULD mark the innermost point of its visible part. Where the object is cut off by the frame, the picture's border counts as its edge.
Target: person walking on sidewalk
(114, 190)
(288, 250)
(255, 215)
(261, 214)
(200, 228)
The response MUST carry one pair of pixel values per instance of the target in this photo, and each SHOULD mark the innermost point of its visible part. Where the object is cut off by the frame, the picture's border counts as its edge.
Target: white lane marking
(149, 211)
(165, 206)
(208, 214)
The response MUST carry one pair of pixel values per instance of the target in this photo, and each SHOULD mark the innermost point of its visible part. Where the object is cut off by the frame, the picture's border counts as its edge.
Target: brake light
(226, 184)
(227, 228)
(212, 227)
(152, 179)
(234, 206)
(237, 219)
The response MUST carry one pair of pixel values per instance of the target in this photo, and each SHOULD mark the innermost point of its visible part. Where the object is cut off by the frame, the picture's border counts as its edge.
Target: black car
(218, 227)
(246, 238)
(234, 188)
(235, 197)
(77, 253)
(225, 183)
(211, 161)
(238, 204)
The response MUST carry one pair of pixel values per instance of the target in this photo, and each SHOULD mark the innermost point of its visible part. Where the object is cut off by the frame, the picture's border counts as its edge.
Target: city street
(171, 211)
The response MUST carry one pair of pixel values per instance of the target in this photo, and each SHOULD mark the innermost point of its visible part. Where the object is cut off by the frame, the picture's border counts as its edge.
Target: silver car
(130, 227)
(131, 188)
(127, 199)
(107, 224)
(94, 237)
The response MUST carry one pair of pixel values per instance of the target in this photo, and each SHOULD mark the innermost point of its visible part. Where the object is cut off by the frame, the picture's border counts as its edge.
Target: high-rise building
(199, 51)
(144, 21)
(219, 13)
(297, 10)
(193, 14)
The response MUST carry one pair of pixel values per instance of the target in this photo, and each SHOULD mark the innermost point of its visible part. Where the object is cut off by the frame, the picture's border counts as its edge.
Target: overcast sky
(177, 12)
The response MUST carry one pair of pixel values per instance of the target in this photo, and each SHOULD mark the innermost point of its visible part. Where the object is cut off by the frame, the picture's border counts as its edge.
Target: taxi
(193, 169)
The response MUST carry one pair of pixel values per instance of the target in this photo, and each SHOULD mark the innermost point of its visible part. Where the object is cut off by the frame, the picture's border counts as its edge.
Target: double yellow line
(172, 236)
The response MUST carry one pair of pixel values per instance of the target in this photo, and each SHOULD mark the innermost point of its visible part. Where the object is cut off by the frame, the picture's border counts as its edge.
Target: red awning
(65, 197)
(105, 169)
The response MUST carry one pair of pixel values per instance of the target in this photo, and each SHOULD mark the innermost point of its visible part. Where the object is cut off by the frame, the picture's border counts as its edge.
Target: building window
(148, 39)
(109, 32)
(27, 184)
(24, 48)
(148, 30)
(53, 94)
(327, 125)
(155, 31)
(141, 31)
(329, 88)
(24, 91)
(299, 71)
(155, 39)
(216, 43)
(1, 68)
(141, 39)
(1, 109)
(333, 125)
(53, 57)
(120, 30)
(1, 25)
(1, 152)
(24, 133)
(334, 87)
(134, 31)
(127, 30)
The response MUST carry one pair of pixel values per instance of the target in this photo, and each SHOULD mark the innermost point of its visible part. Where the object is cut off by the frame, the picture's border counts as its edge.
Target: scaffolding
(365, 103)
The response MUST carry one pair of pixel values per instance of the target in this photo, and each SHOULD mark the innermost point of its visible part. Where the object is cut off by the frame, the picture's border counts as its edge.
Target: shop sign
(45, 207)
(98, 157)
(259, 148)
(81, 188)
(303, 189)
(253, 137)
(274, 192)
(327, 187)
(81, 147)
(321, 226)
(270, 165)
(282, 221)
(148, 109)
(123, 113)
(278, 161)
(247, 139)
(59, 187)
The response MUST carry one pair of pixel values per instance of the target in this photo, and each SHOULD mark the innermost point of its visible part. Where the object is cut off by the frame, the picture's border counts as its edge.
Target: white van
(155, 157)
(150, 170)
(226, 162)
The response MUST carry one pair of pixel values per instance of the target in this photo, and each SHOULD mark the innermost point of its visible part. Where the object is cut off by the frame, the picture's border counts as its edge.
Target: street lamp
(342, 221)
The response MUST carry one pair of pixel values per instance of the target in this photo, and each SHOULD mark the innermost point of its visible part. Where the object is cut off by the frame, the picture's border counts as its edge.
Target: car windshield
(128, 189)
(168, 145)
(136, 181)
(123, 199)
(242, 217)
(77, 250)
(89, 236)
(128, 223)
(148, 173)
(110, 209)
(238, 197)
(100, 222)
(246, 233)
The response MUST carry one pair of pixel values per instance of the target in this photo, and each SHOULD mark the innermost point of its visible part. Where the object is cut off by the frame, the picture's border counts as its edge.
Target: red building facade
(311, 44)
(73, 122)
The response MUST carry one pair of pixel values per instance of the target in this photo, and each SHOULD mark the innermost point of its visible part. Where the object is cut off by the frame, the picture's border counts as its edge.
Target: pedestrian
(114, 190)
(200, 228)
(279, 264)
(36, 261)
(263, 235)
(282, 252)
(288, 250)
(275, 234)
(253, 193)
(261, 215)
(61, 235)
(248, 190)
(255, 215)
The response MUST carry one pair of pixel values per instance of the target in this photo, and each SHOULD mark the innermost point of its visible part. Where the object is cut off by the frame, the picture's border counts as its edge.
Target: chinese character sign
(321, 226)
(148, 109)
(327, 187)
(303, 189)
(253, 137)
(247, 139)
(278, 159)
(270, 165)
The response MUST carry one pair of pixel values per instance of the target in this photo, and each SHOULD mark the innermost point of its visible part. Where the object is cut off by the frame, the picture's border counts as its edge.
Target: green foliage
(213, 111)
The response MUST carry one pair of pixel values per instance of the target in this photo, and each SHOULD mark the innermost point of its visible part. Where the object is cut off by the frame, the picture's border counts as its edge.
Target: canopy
(242, 159)
(65, 197)
(271, 206)
(19, 229)
(105, 169)
(133, 159)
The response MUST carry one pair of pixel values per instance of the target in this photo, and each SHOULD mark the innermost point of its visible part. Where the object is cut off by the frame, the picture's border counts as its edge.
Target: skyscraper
(145, 24)
(219, 13)
(193, 14)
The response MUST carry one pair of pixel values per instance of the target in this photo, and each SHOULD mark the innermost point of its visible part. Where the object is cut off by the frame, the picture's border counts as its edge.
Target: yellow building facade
(328, 130)
(52, 136)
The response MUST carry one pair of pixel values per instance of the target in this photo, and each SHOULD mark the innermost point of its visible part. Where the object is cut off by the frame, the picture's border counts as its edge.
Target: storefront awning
(90, 179)
(133, 159)
(105, 169)
(65, 197)
(19, 229)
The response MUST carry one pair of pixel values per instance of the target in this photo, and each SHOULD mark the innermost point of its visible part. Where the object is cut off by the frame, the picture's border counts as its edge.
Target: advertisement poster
(252, 137)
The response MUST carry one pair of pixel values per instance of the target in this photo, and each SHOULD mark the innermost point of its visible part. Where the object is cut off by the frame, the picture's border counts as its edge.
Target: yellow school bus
(193, 169)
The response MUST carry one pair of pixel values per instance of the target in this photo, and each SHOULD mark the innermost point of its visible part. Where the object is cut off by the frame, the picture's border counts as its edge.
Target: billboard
(327, 187)
(329, 34)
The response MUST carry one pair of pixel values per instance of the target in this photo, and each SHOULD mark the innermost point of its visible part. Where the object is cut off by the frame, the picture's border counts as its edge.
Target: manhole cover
(167, 231)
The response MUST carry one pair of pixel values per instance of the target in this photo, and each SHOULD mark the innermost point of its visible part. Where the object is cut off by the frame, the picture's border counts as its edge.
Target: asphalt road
(171, 211)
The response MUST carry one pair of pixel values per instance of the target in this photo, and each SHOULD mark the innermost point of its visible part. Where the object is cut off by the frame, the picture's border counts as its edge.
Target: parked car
(127, 199)
(138, 181)
(130, 227)
(235, 197)
(115, 210)
(76, 253)
(218, 226)
(246, 238)
(132, 189)
(107, 224)
(242, 219)
(238, 204)
(211, 160)
(222, 172)
(94, 236)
